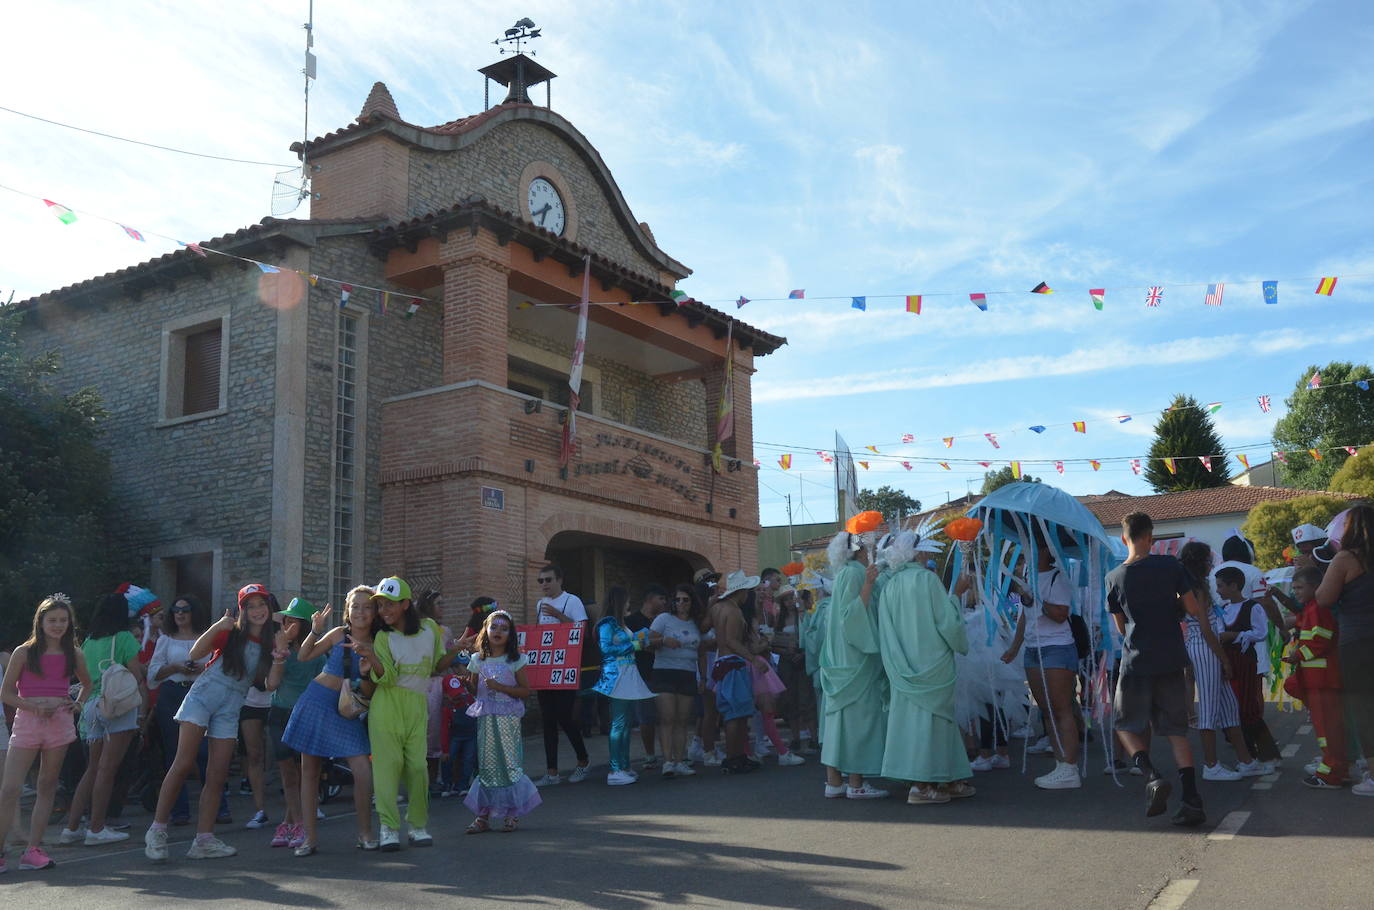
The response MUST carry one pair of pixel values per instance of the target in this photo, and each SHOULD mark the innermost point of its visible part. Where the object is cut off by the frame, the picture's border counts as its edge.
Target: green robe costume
(920, 629)
(812, 634)
(854, 721)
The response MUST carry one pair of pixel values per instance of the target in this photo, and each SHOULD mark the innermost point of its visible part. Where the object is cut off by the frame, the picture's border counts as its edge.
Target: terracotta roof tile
(1192, 503)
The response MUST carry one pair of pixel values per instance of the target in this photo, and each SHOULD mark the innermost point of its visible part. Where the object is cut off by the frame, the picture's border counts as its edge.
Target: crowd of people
(861, 660)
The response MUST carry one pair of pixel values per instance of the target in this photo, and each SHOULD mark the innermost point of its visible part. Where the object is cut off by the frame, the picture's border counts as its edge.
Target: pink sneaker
(33, 859)
(282, 836)
(297, 836)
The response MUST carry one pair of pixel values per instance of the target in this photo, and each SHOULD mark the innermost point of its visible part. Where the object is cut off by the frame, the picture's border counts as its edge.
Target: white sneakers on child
(1252, 768)
(791, 758)
(1365, 787)
(1063, 777)
(867, 791)
(579, 774)
(548, 780)
(1041, 747)
(1220, 772)
(389, 840)
(155, 845)
(209, 848)
(104, 836)
(620, 778)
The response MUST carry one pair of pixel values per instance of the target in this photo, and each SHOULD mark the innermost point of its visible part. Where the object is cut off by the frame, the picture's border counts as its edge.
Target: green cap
(299, 608)
(393, 589)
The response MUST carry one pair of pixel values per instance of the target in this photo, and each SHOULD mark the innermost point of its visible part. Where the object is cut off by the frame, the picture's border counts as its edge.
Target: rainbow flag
(1326, 286)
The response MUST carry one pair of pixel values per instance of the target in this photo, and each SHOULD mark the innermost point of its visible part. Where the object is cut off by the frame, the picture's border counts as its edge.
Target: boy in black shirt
(1143, 595)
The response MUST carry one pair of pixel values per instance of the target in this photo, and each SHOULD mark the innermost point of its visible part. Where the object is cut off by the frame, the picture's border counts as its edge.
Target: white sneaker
(1063, 777)
(105, 836)
(419, 837)
(835, 792)
(1220, 772)
(1251, 768)
(155, 845)
(1311, 767)
(389, 840)
(684, 769)
(257, 821)
(579, 774)
(68, 836)
(1365, 787)
(620, 779)
(712, 760)
(1041, 747)
(695, 752)
(1001, 762)
(791, 758)
(1021, 732)
(210, 848)
(867, 791)
(548, 780)
(981, 763)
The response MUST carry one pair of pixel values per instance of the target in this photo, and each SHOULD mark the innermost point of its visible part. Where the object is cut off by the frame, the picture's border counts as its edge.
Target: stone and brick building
(262, 430)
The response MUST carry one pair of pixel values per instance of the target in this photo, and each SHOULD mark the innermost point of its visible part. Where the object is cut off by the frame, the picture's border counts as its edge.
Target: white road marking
(1270, 778)
(1289, 750)
(1229, 826)
(1304, 729)
(1262, 785)
(1174, 894)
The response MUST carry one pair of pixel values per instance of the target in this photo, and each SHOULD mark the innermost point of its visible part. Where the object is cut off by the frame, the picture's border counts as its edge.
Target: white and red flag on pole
(565, 451)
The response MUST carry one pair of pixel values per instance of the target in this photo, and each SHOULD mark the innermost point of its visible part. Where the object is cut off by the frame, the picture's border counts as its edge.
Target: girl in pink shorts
(37, 682)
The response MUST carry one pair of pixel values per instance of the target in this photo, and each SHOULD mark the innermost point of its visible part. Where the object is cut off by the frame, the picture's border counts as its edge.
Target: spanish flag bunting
(1315, 454)
(913, 304)
(785, 462)
(1016, 469)
(1169, 463)
(1041, 288)
(1097, 465)
(949, 442)
(1098, 296)
(1080, 426)
(907, 465)
(1243, 459)
(1059, 466)
(945, 465)
(1325, 287)
(1206, 461)
(863, 464)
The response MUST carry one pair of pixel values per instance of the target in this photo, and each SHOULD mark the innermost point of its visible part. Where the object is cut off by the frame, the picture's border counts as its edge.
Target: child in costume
(620, 680)
(35, 685)
(287, 681)
(501, 787)
(1245, 637)
(1316, 679)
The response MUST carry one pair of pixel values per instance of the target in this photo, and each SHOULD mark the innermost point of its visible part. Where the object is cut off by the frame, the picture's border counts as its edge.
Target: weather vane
(522, 31)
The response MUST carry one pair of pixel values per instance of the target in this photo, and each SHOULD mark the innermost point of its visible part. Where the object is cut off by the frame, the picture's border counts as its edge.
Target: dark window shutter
(202, 371)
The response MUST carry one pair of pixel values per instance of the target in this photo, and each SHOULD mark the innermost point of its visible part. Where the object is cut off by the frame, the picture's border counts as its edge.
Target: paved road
(771, 840)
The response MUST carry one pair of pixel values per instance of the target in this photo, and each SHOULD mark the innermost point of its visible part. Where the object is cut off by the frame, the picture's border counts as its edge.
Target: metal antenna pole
(309, 73)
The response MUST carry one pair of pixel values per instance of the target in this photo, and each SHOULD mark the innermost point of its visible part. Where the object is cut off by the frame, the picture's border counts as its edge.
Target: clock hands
(543, 213)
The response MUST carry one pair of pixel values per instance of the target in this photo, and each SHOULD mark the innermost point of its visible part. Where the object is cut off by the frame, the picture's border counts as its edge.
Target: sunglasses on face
(181, 609)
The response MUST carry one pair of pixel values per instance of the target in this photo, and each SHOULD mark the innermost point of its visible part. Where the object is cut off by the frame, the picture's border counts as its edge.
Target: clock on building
(546, 206)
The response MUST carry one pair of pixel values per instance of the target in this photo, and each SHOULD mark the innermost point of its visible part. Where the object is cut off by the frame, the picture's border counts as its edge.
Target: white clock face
(546, 206)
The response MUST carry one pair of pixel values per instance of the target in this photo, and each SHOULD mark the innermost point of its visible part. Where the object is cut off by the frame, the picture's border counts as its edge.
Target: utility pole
(790, 541)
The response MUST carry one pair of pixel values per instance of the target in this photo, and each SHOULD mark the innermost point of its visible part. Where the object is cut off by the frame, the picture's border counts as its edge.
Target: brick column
(476, 270)
(744, 434)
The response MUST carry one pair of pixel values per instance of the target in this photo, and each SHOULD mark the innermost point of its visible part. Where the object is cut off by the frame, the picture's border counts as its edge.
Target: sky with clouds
(849, 149)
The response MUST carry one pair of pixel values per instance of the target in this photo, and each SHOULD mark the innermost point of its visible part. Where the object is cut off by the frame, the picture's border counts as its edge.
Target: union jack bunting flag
(1264, 403)
(1154, 297)
(1214, 292)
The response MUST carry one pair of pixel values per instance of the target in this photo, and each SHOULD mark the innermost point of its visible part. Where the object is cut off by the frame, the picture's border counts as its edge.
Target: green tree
(1001, 477)
(1335, 415)
(890, 501)
(54, 486)
(1183, 433)
(1270, 524)
(1356, 475)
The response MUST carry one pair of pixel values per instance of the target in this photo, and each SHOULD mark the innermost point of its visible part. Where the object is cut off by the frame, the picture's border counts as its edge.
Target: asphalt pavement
(770, 839)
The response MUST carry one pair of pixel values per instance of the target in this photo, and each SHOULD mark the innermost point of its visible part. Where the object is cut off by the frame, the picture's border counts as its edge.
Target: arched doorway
(593, 563)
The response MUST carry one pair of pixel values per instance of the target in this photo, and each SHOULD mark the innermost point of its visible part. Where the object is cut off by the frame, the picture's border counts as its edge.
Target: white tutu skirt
(629, 685)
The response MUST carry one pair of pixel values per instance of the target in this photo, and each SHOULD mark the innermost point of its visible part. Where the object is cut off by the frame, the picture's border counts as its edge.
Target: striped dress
(1217, 708)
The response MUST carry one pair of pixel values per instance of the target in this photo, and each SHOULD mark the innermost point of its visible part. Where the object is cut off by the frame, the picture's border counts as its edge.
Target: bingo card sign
(555, 654)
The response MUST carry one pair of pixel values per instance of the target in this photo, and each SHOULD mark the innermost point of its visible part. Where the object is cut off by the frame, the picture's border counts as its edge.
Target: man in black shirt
(1144, 595)
(646, 713)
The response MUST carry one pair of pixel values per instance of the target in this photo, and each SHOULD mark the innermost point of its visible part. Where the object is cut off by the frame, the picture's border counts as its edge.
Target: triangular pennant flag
(1244, 460)
(1098, 296)
(992, 438)
(907, 437)
(1080, 426)
(948, 441)
(344, 291)
(1316, 455)
(1037, 429)
(1271, 291)
(859, 303)
(313, 279)
(1169, 463)
(907, 465)
(678, 297)
(1059, 466)
(1097, 465)
(1351, 450)
(739, 304)
(67, 216)
(863, 464)
(1326, 286)
(785, 462)
(986, 464)
(1362, 384)
(980, 301)
(1135, 465)
(267, 269)
(133, 233)
(1214, 407)
(1041, 288)
(413, 307)
(873, 449)
(798, 294)
(913, 304)
(1016, 470)
(1206, 461)
(945, 465)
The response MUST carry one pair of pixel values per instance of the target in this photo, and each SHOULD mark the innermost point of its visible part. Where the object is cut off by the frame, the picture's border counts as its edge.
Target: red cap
(248, 591)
